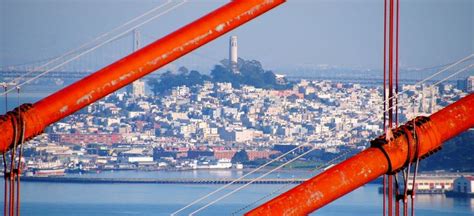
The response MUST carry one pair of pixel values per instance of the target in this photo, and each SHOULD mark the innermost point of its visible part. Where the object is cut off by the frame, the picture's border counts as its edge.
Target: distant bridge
(13, 74)
(76, 75)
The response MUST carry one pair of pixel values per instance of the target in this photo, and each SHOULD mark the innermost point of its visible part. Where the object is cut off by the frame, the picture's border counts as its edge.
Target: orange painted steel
(123, 72)
(381, 158)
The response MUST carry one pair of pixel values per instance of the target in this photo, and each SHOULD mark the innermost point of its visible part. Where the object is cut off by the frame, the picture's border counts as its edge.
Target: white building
(139, 159)
(236, 135)
(136, 89)
(464, 184)
(426, 183)
(470, 84)
(233, 53)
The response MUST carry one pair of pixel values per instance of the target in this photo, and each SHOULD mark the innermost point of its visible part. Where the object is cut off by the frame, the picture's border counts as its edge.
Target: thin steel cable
(293, 150)
(5, 166)
(101, 44)
(6, 180)
(89, 43)
(320, 167)
(435, 74)
(12, 167)
(412, 195)
(94, 40)
(29, 63)
(397, 39)
(299, 156)
(278, 190)
(454, 74)
(252, 181)
(238, 179)
(384, 95)
(20, 154)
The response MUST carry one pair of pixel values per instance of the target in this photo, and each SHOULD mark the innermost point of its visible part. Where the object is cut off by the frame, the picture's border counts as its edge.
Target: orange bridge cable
(384, 184)
(397, 74)
(406, 174)
(6, 177)
(250, 182)
(255, 170)
(242, 177)
(390, 68)
(415, 172)
(435, 84)
(267, 173)
(13, 173)
(396, 19)
(406, 171)
(375, 161)
(417, 160)
(98, 46)
(28, 132)
(5, 166)
(6, 184)
(238, 179)
(396, 194)
(14, 184)
(281, 156)
(413, 190)
(136, 65)
(320, 167)
(277, 191)
(17, 169)
(89, 43)
(390, 100)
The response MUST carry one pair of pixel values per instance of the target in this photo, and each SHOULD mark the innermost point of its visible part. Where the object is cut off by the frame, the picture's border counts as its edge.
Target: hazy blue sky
(299, 33)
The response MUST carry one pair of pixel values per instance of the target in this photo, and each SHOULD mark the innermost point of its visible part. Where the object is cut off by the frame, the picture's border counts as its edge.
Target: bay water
(42, 199)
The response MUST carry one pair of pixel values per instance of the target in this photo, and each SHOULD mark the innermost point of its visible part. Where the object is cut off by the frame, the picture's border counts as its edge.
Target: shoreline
(97, 180)
(90, 178)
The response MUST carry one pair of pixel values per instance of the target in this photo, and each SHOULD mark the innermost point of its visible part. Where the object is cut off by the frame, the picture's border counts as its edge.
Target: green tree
(251, 73)
(240, 157)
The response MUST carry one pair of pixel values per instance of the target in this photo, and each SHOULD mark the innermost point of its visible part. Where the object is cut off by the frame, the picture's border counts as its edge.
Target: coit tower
(233, 55)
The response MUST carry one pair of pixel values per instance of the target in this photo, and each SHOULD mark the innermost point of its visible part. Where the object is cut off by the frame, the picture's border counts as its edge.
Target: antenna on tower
(136, 40)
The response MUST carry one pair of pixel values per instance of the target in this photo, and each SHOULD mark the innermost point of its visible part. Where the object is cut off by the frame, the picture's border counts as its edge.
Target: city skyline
(344, 33)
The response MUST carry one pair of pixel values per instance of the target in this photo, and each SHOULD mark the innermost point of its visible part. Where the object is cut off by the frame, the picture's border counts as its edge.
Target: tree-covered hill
(249, 73)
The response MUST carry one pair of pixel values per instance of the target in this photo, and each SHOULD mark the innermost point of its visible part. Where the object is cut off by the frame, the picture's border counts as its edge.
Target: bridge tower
(137, 88)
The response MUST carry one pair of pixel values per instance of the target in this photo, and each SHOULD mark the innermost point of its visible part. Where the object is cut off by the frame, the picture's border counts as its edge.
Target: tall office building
(466, 85)
(233, 54)
(137, 88)
(470, 84)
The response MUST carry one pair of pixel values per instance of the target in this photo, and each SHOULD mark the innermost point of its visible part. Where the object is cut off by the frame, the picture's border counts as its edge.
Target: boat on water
(46, 172)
